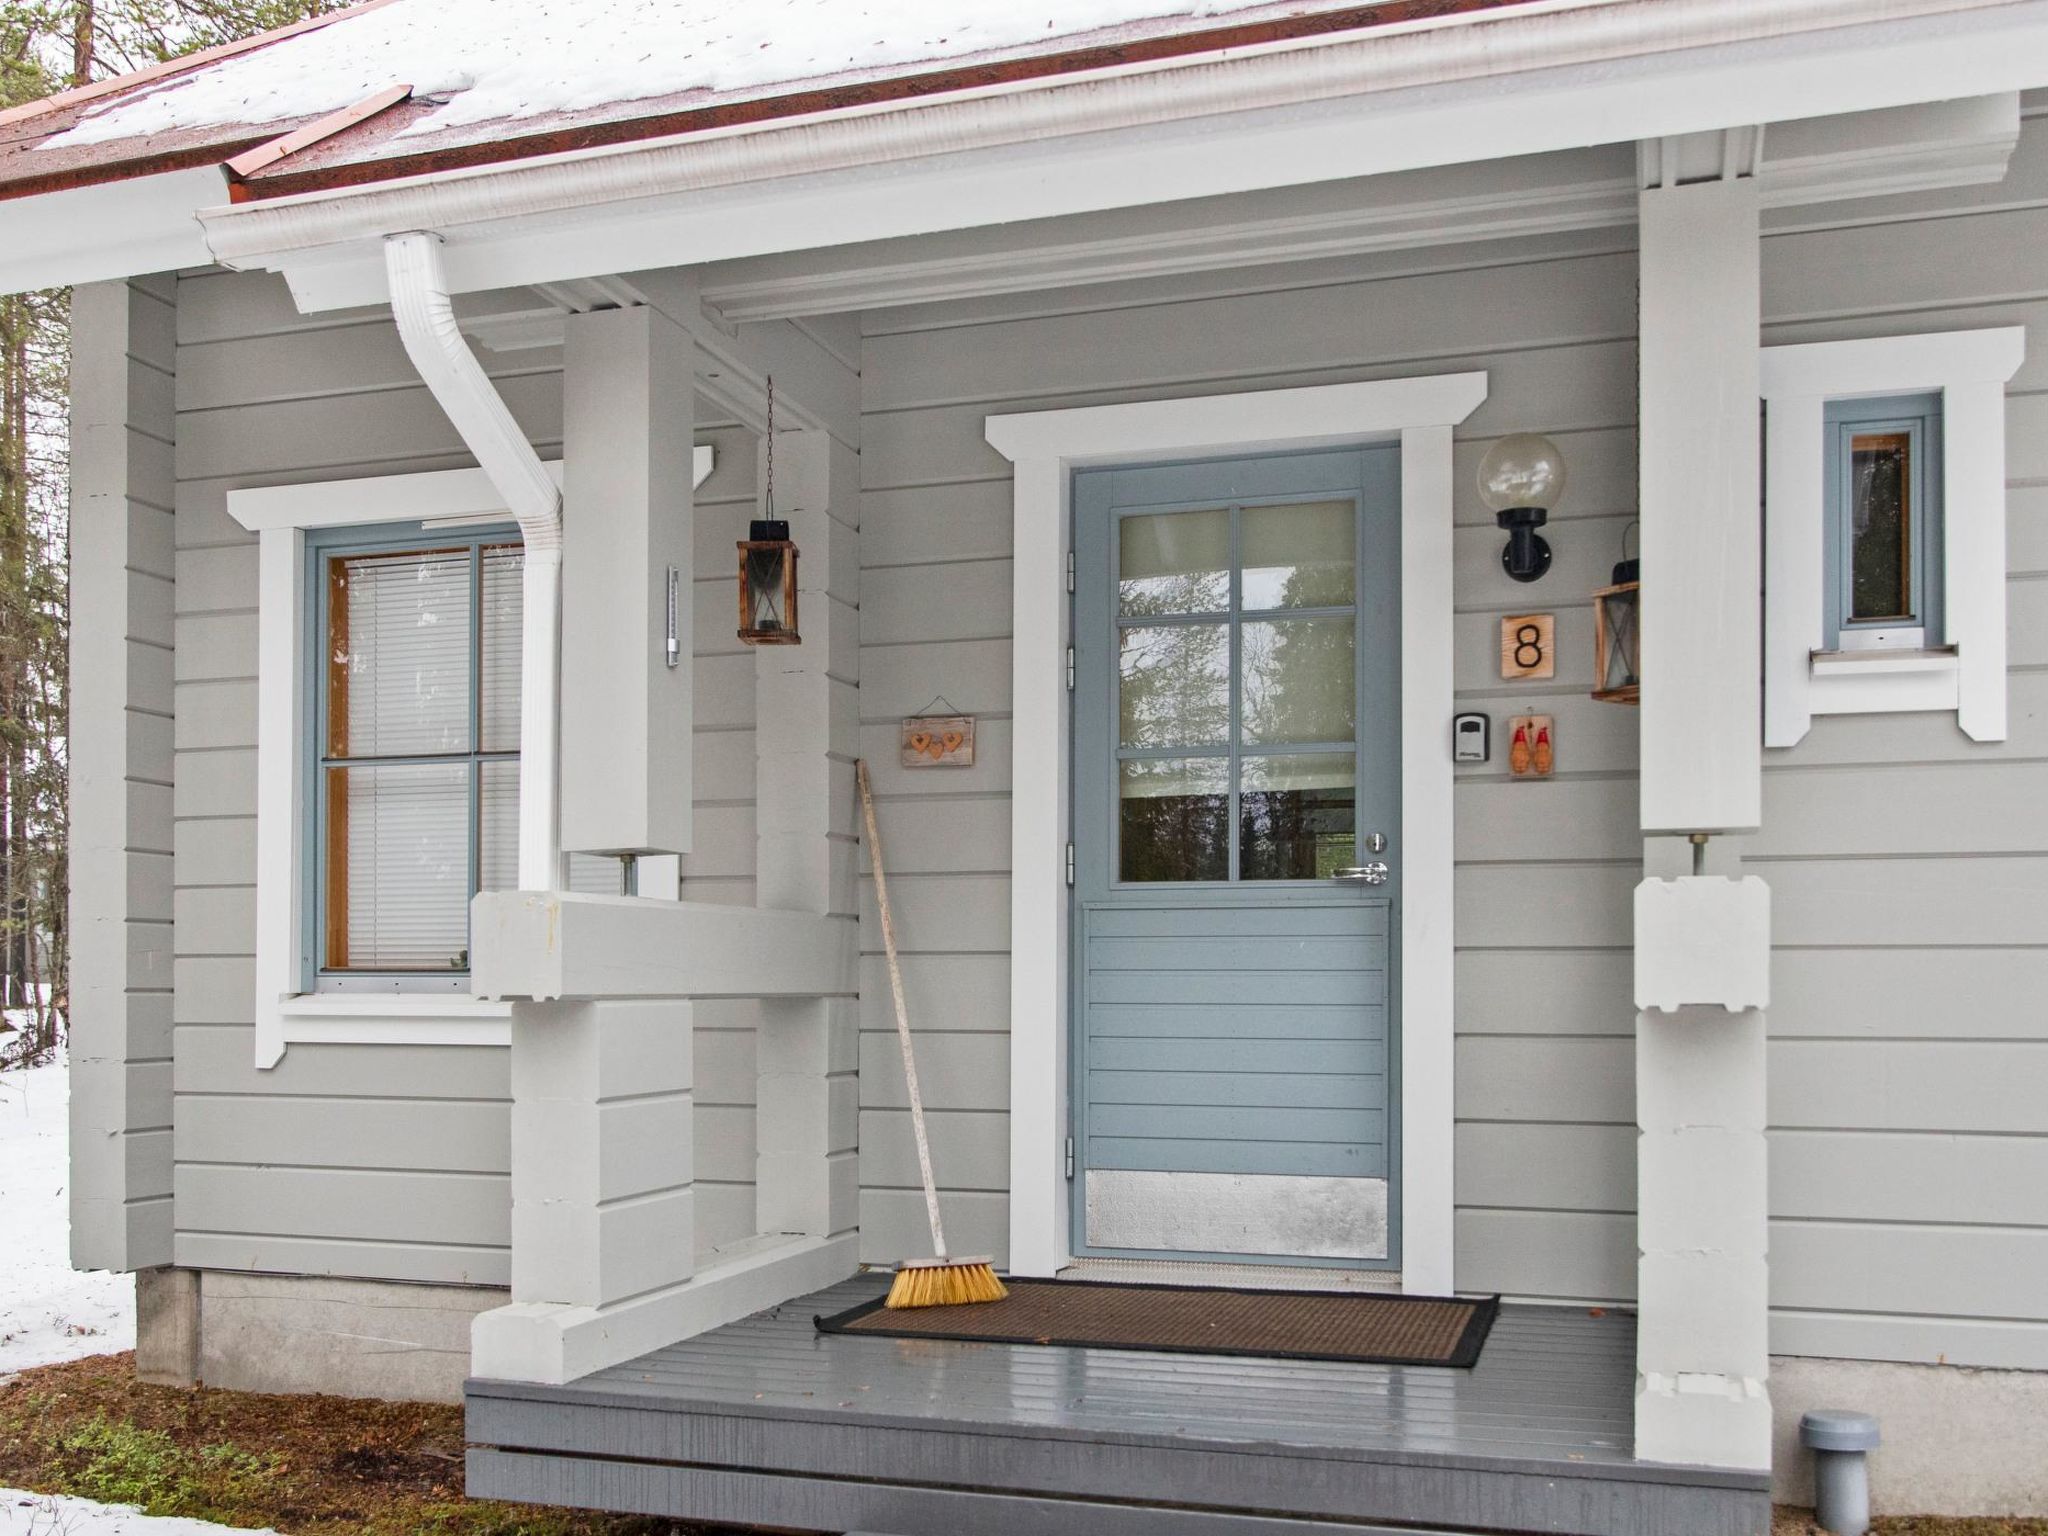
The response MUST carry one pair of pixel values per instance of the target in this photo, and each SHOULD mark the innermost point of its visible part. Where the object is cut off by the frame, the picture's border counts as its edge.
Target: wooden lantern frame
(1627, 693)
(787, 636)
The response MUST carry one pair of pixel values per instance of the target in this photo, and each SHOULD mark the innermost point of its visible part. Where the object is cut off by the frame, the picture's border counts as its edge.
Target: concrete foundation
(167, 1326)
(1957, 1441)
(287, 1333)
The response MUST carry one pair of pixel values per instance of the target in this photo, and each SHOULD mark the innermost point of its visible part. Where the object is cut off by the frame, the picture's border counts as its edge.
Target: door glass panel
(1881, 575)
(1299, 556)
(1297, 816)
(1174, 819)
(398, 651)
(1300, 681)
(1173, 684)
(1173, 562)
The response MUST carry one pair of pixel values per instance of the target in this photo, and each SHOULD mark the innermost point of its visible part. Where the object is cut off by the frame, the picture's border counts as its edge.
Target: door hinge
(1070, 865)
(1070, 669)
(1070, 1157)
(1070, 570)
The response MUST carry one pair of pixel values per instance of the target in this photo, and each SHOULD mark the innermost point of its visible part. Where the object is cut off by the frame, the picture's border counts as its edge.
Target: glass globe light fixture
(1520, 480)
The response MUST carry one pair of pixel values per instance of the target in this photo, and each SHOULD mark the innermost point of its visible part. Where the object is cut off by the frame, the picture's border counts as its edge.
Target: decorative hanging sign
(938, 741)
(1531, 752)
(1528, 646)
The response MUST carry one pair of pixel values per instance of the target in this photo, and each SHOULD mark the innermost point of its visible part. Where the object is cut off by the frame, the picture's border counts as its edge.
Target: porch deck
(767, 1422)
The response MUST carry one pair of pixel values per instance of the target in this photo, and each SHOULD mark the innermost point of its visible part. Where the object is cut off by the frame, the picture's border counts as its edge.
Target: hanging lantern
(768, 586)
(1617, 637)
(768, 565)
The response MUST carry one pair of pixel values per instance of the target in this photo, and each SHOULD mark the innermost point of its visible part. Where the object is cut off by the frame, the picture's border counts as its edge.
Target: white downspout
(426, 323)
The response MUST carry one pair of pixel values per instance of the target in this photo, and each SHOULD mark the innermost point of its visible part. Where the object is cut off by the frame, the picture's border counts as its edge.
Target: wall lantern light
(1618, 636)
(768, 564)
(1520, 479)
(768, 585)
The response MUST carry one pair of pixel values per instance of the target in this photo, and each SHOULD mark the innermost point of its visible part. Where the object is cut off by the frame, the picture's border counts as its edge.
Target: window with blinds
(416, 769)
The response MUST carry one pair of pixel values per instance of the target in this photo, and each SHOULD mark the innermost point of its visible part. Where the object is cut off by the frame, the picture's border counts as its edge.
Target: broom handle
(924, 1151)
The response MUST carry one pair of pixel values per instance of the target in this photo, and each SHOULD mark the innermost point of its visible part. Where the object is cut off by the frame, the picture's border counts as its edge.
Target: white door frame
(1046, 447)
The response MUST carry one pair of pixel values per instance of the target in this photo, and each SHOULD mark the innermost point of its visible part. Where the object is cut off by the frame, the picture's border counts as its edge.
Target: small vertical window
(1884, 499)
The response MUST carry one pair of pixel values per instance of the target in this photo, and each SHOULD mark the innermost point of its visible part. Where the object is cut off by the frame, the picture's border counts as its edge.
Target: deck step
(766, 1422)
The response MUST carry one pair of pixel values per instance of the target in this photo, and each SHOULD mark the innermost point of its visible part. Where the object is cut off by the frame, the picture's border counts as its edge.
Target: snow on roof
(481, 61)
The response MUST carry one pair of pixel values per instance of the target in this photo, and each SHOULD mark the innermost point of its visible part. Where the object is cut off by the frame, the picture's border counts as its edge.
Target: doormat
(1199, 1320)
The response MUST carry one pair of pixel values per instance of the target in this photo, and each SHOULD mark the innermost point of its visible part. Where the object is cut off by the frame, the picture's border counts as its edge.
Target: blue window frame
(1883, 495)
(412, 752)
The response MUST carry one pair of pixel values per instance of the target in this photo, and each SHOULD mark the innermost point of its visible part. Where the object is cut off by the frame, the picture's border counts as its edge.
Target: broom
(942, 1280)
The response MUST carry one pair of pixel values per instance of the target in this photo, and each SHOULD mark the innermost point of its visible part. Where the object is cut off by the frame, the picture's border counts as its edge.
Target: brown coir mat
(1198, 1320)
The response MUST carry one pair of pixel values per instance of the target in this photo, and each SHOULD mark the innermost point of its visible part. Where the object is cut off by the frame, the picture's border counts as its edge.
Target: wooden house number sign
(938, 741)
(1528, 646)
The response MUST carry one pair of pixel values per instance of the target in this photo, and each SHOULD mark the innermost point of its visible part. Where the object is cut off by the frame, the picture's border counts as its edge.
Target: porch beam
(557, 945)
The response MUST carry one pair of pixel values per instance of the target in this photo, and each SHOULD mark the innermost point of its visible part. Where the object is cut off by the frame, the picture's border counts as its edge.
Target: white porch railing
(603, 1228)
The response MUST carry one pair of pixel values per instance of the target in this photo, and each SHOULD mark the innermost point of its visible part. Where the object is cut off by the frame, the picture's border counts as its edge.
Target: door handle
(1375, 873)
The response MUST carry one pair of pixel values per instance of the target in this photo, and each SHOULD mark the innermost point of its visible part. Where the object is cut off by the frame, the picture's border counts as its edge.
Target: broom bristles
(945, 1285)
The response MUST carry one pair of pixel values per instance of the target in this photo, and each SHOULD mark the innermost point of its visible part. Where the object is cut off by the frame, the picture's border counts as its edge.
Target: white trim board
(1046, 447)
(1970, 370)
(279, 516)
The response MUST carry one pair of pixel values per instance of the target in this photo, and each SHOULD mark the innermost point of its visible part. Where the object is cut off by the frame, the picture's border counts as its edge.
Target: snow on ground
(498, 60)
(42, 1514)
(48, 1311)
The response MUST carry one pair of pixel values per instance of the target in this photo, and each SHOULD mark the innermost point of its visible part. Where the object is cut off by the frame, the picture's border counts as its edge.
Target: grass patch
(306, 1466)
(1799, 1522)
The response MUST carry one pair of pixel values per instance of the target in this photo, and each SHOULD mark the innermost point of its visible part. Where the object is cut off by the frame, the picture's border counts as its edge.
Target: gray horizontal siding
(1545, 871)
(1908, 868)
(1909, 865)
(386, 1162)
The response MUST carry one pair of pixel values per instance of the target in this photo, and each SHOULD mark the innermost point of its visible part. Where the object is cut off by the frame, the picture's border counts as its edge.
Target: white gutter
(426, 323)
(1487, 46)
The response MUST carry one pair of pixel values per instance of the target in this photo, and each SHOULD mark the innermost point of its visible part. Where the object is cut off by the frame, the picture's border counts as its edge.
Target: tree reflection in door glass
(1297, 816)
(1174, 818)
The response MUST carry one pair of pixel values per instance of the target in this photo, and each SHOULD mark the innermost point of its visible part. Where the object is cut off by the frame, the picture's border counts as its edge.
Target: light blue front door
(1236, 773)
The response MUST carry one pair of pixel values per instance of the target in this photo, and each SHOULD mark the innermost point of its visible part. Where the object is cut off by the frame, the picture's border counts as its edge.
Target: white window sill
(1884, 681)
(1875, 663)
(385, 1019)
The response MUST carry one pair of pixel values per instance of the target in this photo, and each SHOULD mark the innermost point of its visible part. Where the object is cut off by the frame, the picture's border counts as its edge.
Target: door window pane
(1173, 562)
(397, 867)
(1173, 685)
(398, 649)
(1881, 525)
(1174, 819)
(1300, 681)
(1297, 816)
(1299, 556)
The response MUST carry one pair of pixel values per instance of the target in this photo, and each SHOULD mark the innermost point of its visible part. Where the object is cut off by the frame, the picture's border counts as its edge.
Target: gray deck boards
(767, 1420)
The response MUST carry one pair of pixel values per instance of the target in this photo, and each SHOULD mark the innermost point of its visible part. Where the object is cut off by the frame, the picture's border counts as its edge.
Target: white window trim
(280, 515)
(1046, 447)
(1969, 369)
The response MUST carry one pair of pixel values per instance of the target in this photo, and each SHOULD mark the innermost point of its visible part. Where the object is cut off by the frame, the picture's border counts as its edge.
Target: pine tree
(47, 46)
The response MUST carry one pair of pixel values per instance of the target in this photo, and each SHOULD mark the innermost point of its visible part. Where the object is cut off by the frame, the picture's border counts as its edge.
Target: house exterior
(476, 974)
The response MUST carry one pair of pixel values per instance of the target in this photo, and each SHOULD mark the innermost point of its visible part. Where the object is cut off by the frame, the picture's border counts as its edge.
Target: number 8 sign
(1528, 646)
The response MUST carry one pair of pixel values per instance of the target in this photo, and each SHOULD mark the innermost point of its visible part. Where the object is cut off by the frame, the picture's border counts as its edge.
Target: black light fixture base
(1526, 555)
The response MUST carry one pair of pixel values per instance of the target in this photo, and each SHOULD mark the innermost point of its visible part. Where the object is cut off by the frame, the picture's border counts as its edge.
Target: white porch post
(806, 734)
(1702, 940)
(628, 398)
